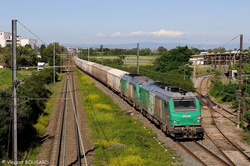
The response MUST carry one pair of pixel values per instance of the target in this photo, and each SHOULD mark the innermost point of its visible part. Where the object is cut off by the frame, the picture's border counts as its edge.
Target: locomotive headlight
(198, 117)
(174, 121)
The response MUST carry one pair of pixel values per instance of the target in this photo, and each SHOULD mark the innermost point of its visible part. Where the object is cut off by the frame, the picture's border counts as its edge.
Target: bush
(127, 160)
(40, 129)
(247, 117)
(225, 93)
(93, 97)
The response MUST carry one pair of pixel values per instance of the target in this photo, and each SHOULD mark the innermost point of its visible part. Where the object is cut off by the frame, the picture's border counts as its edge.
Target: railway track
(233, 154)
(68, 148)
(201, 154)
(70, 138)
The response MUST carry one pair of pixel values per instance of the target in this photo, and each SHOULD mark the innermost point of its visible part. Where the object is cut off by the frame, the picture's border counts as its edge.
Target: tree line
(33, 93)
(171, 67)
(26, 56)
(32, 96)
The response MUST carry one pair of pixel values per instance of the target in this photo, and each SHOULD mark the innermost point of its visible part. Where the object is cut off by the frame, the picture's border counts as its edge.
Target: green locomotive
(176, 111)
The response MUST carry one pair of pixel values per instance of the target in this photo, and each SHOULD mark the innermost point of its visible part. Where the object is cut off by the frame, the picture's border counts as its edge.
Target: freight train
(176, 111)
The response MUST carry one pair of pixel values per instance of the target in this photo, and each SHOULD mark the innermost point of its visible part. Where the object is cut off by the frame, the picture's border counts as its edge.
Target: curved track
(227, 148)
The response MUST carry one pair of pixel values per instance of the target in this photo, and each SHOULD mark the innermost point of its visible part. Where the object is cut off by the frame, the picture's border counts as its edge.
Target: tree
(161, 50)
(48, 52)
(173, 59)
(6, 52)
(217, 50)
(28, 112)
(145, 51)
(196, 50)
(26, 56)
(247, 57)
(5, 118)
(247, 117)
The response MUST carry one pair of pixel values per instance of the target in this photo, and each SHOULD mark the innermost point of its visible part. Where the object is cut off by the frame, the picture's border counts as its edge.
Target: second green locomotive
(176, 111)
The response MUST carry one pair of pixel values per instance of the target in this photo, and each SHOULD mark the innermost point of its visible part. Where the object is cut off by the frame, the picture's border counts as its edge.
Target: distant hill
(153, 45)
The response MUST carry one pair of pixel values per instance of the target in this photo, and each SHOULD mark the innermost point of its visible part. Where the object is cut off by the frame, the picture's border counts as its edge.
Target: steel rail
(245, 155)
(191, 153)
(214, 155)
(61, 126)
(76, 124)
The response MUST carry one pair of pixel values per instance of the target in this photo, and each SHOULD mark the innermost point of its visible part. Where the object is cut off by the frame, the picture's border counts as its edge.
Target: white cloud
(160, 33)
(117, 34)
(167, 33)
(139, 33)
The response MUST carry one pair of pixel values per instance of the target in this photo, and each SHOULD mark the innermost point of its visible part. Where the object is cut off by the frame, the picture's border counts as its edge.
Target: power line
(230, 41)
(32, 33)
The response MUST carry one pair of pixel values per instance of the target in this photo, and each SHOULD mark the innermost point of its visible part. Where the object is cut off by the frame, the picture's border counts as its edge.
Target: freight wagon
(176, 111)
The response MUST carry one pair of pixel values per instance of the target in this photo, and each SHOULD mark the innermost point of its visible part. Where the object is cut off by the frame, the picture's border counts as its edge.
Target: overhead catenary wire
(230, 41)
(32, 33)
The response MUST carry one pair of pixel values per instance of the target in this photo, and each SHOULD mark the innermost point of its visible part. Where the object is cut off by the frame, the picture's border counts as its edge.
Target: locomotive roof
(166, 91)
(135, 78)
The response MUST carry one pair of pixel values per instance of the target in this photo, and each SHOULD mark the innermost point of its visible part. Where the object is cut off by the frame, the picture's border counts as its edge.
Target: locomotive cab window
(184, 105)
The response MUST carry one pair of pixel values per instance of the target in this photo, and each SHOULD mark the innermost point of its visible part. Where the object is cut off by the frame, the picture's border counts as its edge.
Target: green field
(127, 57)
(6, 78)
(130, 60)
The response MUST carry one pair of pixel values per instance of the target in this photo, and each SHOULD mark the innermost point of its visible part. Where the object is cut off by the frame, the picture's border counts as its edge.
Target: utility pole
(240, 81)
(14, 89)
(138, 51)
(54, 71)
(102, 53)
(88, 53)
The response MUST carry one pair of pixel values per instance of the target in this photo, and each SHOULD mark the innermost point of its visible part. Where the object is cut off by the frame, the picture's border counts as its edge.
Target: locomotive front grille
(186, 120)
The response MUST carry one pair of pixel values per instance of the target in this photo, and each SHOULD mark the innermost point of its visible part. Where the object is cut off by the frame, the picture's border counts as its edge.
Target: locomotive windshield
(184, 105)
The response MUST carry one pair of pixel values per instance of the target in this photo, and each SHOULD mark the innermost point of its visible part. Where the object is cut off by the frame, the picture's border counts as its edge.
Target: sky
(79, 22)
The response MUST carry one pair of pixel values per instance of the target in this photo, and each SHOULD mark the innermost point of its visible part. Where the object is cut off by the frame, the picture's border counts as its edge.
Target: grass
(246, 137)
(128, 57)
(212, 122)
(227, 124)
(25, 72)
(118, 138)
(6, 78)
(131, 60)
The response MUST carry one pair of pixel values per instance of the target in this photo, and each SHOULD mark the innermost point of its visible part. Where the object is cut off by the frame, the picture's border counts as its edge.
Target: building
(6, 38)
(212, 59)
(3, 65)
(40, 66)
